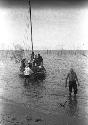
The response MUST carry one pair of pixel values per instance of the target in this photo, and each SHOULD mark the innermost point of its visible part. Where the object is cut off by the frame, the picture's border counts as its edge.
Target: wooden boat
(37, 74)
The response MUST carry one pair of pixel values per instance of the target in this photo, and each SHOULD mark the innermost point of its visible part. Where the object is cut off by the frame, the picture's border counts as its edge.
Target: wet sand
(44, 102)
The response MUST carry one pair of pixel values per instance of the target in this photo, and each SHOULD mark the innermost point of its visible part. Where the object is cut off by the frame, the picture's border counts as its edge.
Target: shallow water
(44, 102)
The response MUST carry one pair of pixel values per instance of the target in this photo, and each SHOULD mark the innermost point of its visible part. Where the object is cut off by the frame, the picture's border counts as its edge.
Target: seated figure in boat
(22, 67)
(34, 65)
(33, 59)
(30, 64)
(28, 71)
(40, 64)
(32, 56)
(36, 61)
(39, 60)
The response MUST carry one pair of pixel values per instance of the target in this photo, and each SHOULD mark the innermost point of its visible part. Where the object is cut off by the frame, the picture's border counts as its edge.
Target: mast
(31, 24)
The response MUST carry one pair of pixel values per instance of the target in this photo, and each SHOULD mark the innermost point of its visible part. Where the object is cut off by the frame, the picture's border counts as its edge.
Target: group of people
(36, 60)
(33, 65)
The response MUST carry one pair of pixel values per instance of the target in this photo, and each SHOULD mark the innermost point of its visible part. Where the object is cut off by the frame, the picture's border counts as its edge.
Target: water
(44, 102)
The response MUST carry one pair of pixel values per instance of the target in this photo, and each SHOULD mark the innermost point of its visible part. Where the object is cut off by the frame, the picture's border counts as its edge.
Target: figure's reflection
(32, 81)
(72, 108)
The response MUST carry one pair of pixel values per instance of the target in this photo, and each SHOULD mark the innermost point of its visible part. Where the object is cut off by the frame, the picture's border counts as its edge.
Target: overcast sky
(57, 24)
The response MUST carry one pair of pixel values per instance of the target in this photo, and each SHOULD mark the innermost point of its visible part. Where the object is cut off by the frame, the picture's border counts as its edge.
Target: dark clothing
(73, 85)
(72, 76)
(36, 61)
(73, 80)
(34, 69)
(26, 76)
(22, 67)
(32, 56)
(23, 63)
(26, 79)
(40, 60)
(30, 65)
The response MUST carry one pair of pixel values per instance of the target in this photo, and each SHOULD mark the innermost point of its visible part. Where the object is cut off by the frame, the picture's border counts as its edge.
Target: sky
(57, 24)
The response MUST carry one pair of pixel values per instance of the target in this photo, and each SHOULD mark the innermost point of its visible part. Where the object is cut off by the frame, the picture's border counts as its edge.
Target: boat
(39, 74)
(40, 71)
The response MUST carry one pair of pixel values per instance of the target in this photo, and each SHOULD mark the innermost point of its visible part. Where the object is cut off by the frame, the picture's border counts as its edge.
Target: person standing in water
(73, 80)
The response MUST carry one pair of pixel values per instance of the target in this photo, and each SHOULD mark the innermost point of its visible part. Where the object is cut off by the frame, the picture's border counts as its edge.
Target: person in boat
(27, 72)
(73, 80)
(22, 68)
(39, 60)
(30, 64)
(35, 62)
(32, 56)
(31, 61)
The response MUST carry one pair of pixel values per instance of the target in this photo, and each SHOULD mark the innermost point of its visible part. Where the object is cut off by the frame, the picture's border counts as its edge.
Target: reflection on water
(72, 107)
(33, 89)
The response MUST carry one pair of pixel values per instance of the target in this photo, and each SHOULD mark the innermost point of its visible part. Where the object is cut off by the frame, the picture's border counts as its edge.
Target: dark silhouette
(40, 60)
(72, 81)
(22, 67)
(72, 105)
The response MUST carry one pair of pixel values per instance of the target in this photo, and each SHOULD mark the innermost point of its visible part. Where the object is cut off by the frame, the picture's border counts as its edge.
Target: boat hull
(34, 76)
